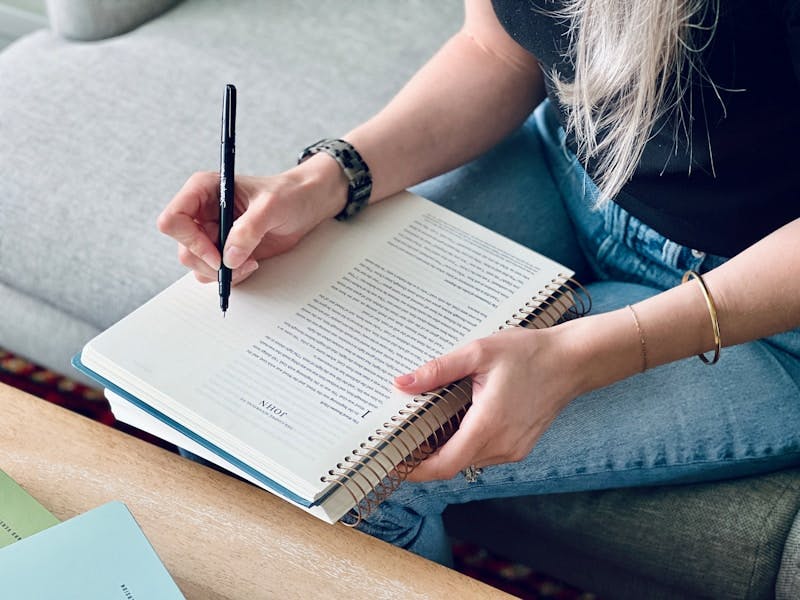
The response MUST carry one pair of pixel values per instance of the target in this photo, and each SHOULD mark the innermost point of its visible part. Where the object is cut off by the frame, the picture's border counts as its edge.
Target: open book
(293, 389)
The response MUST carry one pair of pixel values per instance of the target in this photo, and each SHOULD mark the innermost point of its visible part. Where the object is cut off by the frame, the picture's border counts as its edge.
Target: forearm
(757, 294)
(465, 100)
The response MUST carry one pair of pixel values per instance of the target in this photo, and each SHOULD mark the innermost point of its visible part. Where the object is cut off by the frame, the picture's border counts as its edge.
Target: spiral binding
(374, 470)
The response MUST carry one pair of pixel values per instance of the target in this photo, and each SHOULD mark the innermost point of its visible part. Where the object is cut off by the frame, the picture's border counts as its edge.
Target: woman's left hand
(521, 380)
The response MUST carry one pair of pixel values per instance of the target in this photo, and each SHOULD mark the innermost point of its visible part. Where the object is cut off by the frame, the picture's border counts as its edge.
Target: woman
(663, 131)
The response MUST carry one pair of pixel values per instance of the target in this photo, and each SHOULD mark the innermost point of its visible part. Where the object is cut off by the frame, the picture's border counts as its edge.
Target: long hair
(634, 61)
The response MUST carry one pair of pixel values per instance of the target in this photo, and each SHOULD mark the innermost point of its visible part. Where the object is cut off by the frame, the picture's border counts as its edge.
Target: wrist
(354, 168)
(608, 349)
(320, 179)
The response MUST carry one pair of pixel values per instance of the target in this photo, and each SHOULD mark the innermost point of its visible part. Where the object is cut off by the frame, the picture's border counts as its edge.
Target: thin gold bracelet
(642, 341)
(712, 310)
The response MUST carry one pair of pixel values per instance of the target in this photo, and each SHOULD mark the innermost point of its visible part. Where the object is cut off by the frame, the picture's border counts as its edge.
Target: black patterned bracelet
(359, 179)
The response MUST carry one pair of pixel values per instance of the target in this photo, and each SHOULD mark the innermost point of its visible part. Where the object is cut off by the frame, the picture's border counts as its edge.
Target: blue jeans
(678, 423)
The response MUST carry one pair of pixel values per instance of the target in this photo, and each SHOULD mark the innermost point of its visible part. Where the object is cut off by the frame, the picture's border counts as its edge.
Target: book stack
(101, 554)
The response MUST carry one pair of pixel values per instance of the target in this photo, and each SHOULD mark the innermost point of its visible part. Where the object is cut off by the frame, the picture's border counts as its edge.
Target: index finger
(196, 202)
(197, 199)
(441, 370)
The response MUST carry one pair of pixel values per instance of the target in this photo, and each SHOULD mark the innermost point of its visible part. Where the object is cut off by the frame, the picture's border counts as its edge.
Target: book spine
(371, 472)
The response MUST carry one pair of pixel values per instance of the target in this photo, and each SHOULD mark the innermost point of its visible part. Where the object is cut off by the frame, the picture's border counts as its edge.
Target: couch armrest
(88, 20)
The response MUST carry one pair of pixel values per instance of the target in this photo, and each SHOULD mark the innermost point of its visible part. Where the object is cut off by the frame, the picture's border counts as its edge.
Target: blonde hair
(634, 61)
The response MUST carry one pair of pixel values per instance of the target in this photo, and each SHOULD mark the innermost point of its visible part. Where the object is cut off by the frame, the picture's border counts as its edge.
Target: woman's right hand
(272, 215)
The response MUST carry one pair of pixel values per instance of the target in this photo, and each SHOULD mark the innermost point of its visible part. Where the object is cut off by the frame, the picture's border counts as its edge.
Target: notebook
(101, 554)
(20, 514)
(293, 388)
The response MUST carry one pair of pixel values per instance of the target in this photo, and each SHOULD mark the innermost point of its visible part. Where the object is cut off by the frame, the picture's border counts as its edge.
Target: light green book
(20, 514)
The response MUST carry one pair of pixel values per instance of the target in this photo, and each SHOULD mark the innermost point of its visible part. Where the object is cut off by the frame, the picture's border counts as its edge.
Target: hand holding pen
(272, 213)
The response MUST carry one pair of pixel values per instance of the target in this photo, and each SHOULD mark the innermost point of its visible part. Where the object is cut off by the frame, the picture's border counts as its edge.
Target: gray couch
(98, 135)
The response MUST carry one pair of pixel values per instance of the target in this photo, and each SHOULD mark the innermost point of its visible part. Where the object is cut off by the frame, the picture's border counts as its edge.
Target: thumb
(246, 233)
(440, 371)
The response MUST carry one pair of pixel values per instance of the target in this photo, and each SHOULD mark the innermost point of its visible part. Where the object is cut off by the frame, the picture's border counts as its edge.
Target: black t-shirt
(754, 186)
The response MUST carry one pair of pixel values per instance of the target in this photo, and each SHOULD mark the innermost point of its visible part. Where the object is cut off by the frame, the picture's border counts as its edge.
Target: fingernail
(248, 267)
(210, 258)
(234, 257)
(405, 379)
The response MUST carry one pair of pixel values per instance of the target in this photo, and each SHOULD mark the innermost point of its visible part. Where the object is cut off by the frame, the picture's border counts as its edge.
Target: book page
(300, 371)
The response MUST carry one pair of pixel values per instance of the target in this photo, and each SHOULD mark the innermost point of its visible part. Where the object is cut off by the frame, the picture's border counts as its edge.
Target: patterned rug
(476, 562)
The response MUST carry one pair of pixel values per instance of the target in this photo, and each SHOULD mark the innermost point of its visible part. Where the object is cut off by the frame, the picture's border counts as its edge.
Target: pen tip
(224, 312)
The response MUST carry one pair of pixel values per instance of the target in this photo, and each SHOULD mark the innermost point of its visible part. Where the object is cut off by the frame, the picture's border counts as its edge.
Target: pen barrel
(226, 187)
(227, 155)
(226, 195)
(226, 191)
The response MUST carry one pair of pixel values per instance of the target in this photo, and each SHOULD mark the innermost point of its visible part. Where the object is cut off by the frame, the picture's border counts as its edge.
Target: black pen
(226, 155)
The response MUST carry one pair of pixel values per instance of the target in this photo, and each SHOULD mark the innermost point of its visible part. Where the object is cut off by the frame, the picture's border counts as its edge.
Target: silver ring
(471, 473)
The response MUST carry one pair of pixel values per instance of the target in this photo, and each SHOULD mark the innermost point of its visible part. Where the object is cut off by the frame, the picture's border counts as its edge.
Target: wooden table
(217, 536)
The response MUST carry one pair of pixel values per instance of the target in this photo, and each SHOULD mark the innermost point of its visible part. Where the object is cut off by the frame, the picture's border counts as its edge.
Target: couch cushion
(97, 137)
(788, 586)
(97, 19)
(717, 540)
(35, 327)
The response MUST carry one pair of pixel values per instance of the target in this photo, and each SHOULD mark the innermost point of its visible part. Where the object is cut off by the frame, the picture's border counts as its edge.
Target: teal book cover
(101, 554)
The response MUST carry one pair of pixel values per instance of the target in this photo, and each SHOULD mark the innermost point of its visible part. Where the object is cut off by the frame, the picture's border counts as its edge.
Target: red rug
(476, 562)
(90, 402)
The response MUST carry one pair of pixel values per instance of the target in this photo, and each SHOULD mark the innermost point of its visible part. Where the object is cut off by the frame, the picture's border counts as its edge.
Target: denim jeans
(678, 423)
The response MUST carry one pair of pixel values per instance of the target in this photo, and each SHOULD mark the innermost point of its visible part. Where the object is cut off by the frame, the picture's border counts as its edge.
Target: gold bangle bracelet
(642, 341)
(712, 311)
